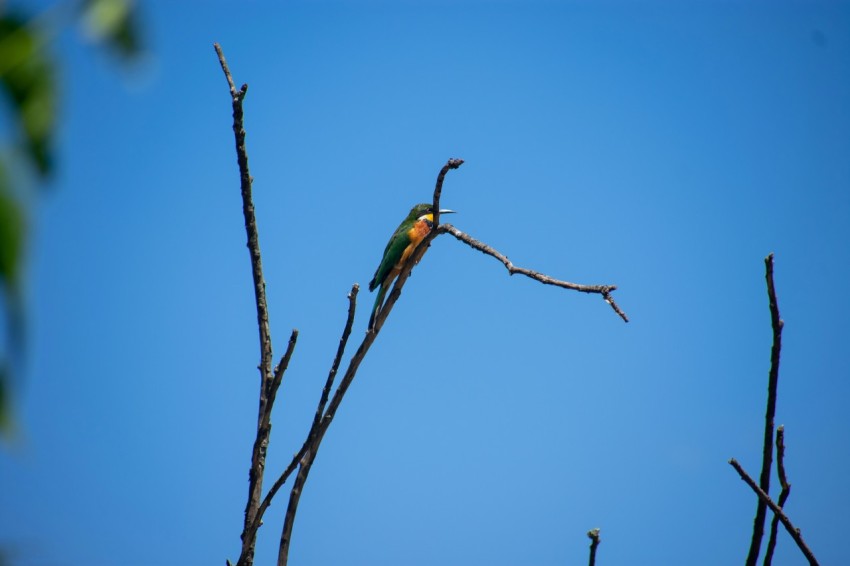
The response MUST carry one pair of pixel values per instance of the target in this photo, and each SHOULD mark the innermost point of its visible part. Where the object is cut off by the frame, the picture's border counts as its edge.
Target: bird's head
(425, 211)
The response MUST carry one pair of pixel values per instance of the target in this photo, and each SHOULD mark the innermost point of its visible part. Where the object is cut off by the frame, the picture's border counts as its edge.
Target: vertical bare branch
(786, 522)
(783, 495)
(438, 189)
(593, 535)
(269, 381)
(246, 181)
(773, 380)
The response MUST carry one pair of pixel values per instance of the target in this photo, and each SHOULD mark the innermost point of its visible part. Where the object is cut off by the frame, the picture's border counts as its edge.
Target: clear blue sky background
(665, 147)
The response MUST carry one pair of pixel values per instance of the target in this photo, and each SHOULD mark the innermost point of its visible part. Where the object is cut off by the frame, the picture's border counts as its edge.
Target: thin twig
(224, 67)
(261, 441)
(267, 500)
(323, 401)
(786, 522)
(593, 535)
(305, 457)
(604, 290)
(292, 507)
(258, 453)
(773, 380)
(438, 190)
(307, 454)
(279, 370)
(783, 495)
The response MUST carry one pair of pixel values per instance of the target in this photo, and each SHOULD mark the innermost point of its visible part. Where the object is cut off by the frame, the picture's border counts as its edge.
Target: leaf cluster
(29, 91)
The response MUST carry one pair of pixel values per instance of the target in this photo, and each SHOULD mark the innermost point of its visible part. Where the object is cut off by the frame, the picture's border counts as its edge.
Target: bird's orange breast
(419, 231)
(416, 234)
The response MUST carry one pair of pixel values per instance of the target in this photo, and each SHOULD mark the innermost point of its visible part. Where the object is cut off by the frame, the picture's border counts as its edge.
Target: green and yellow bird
(407, 236)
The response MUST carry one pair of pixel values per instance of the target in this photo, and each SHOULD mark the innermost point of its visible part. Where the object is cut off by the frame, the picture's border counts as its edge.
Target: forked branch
(604, 290)
(786, 522)
(311, 435)
(770, 413)
(764, 500)
(783, 495)
(270, 380)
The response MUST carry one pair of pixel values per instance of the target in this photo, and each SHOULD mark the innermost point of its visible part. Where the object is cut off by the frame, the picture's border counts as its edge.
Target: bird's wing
(392, 254)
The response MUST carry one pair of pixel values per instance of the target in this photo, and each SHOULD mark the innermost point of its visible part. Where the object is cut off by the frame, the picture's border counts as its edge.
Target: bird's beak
(447, 211)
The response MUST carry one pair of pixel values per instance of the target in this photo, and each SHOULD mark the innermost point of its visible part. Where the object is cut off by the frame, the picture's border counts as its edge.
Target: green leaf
(12, 238)
(12, 230)
(27, 75)
(115, 23)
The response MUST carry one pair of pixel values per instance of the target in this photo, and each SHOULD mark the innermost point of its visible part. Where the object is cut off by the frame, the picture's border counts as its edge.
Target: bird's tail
(379, 300)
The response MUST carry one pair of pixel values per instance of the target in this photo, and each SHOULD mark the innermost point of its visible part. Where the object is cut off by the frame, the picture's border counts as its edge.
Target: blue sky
(663, 147)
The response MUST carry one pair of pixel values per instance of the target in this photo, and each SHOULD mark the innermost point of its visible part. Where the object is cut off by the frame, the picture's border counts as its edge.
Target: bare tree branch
(301, 457)
(261, 443)
(264, 428)
(438, 189)
(298, 457)
(267, 500)
(269, 381)
(773, 380)
(604, 290)
(305, 457)
(783, 495)
(786, 522)
(323, 401)
(221, 61)
(294, 498)
(279, 370)
(593, 535)
(250, 220)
